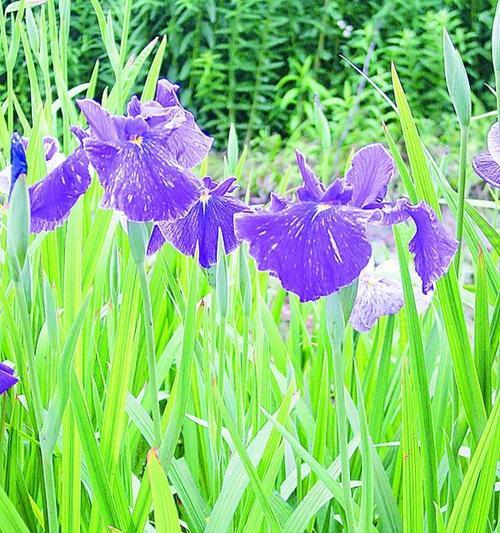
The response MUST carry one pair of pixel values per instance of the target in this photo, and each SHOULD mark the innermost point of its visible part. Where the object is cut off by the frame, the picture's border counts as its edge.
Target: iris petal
(52, 198)
(100, 121)
(314, 249)
(312, 190)
(187, 144)
(141, 179)
(487, 168)
(156, 241)
(372, 168)
(494, 142)
(376, 297)
(213, 213)
(7, 379)
(431, 245)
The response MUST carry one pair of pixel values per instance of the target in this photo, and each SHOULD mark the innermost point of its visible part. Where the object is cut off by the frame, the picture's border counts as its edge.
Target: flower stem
(336, 333)
(36, 399)
(151, 351)
(464, 135)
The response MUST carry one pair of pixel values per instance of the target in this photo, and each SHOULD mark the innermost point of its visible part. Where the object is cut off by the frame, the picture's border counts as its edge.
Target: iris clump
(318, 243)
(143, 162)
(315, 245)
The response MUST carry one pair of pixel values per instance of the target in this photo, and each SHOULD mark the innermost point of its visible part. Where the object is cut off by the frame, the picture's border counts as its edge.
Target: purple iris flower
(19, 145)
(487, 164)
(214, 211)
(51, 198)
(143, 159)
(18, 165)
(318, 244)
(380, 293)
(7, 378)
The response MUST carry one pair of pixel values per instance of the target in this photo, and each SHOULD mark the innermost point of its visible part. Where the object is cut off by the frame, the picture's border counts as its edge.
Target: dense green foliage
(259, 63)
(157, 396)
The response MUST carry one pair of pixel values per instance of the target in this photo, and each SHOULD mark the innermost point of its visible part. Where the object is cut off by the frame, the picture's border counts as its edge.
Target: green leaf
(413, 508)
(9, 515)
(420, 402)
(447, 286)
(471, 508)
(232, 150)
(18, 224)
(166, 517)
(456, 81)
(148, 92)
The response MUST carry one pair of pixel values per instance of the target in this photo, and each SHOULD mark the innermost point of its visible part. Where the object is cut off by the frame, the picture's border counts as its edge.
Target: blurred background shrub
(260, 63)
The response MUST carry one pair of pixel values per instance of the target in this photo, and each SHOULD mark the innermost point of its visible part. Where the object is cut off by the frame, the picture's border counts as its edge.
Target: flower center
(319, 209)
(204, 197)
(137, 139)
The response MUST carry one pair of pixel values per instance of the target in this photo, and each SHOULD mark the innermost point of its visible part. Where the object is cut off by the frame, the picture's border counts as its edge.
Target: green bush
(259, 64)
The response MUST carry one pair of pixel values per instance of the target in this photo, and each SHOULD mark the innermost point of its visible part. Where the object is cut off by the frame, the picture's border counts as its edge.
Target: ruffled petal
(7, 379)
(50, 146)
(201, 226)
(487, 168)
(314, 249)
(278, 203)
(377, 296)
(187, 144)
(52, 198)
(494, 142)
(166, 93)
(312, 190)
(431, 245)
(100, 121)
(372, 168)
(141, 179)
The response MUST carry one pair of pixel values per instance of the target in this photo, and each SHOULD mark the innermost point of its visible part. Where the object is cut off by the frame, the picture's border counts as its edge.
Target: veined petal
(52, 198)
(371, 169)
(187, 144)
(200, 227)
(494, 142)
(100, 121)
(166, 93)
(312, 190)
(487, 168)
(314, 249)
(7, 379)
(431, 245)
(140, 178)
(377, 296)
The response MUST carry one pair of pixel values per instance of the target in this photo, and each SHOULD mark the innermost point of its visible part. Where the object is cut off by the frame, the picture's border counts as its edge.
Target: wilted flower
(212, 213)
(487, 164)
(51, 198)
(7, 378)
(318, 244)
(380, 293)
(142, 159)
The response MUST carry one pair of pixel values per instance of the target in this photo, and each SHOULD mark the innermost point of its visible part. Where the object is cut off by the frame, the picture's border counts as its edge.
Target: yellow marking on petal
(320, 208)
(137, 140)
